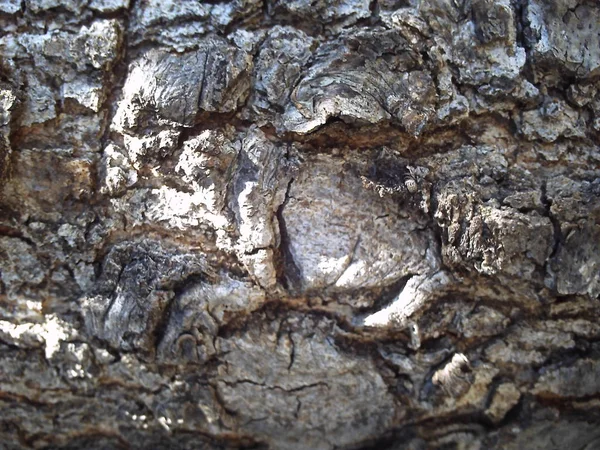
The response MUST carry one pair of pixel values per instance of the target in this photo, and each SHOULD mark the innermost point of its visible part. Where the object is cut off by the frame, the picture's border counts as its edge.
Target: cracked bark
(299, 224)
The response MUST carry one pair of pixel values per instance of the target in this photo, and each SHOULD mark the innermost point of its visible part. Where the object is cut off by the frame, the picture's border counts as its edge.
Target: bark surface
(274, 224)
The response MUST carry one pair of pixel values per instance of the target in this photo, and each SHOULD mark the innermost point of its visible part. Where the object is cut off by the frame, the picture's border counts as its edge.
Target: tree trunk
(300, 224)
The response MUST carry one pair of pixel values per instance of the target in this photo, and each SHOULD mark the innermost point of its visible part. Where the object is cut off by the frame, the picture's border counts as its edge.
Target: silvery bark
(300, 224)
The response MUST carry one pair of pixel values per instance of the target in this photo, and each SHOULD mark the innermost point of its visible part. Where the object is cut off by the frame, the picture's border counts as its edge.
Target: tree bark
(300, 224)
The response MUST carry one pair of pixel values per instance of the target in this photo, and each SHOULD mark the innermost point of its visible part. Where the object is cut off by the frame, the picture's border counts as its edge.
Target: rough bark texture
(300, 224)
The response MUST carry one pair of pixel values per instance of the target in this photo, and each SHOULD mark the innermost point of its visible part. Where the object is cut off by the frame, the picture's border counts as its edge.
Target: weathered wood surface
(300, 224)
